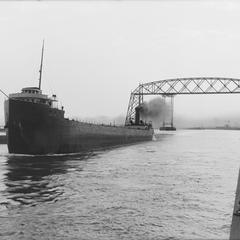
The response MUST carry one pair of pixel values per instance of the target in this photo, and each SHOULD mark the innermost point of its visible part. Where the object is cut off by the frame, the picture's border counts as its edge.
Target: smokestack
(137, 115)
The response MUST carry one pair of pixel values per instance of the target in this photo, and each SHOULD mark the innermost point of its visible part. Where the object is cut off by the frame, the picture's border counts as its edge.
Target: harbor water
(181, 185)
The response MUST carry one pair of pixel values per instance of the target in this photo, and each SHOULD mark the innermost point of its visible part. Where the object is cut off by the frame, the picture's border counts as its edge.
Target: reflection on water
(179, 186)
(33, 179)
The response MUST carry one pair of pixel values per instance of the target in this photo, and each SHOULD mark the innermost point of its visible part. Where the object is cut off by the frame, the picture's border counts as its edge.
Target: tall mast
(40, 71)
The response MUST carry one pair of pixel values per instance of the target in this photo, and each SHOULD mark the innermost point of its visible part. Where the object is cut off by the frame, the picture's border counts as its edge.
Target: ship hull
(34, 128)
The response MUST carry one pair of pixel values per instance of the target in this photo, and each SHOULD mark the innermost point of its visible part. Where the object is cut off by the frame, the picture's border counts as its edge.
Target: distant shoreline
(213, 128)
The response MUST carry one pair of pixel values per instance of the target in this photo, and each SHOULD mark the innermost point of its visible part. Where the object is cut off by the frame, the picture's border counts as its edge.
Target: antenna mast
(40, 71)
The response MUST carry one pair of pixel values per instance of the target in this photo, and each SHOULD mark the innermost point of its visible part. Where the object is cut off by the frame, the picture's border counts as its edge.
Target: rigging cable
(4, 93)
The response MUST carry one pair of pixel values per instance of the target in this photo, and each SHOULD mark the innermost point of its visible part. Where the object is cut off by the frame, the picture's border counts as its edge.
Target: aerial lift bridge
(179, 86)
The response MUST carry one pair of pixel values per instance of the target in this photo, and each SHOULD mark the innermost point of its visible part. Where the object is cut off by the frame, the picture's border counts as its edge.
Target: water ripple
(179, 186)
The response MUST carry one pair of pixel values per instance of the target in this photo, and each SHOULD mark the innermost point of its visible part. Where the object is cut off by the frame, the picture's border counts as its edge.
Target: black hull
(34, 128)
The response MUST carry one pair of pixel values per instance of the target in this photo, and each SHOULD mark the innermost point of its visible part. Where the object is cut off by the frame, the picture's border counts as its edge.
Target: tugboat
(35, 125)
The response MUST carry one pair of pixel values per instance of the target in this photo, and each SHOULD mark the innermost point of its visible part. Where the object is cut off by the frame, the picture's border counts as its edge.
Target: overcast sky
(97, 52)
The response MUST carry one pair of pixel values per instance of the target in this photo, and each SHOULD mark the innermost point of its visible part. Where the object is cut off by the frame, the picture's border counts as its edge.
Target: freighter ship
(35, 125)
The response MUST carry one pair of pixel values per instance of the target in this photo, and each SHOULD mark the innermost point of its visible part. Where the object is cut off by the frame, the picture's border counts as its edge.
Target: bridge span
(180, 86)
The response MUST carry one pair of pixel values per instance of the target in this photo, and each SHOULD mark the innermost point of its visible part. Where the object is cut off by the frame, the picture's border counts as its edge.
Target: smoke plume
(156, 111)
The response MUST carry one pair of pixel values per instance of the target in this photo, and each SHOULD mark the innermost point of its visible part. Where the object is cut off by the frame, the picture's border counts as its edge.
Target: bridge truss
(181, 86)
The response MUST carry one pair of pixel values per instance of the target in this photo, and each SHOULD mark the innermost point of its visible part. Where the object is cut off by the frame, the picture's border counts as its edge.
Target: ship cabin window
(38, 100)
(30, 91)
